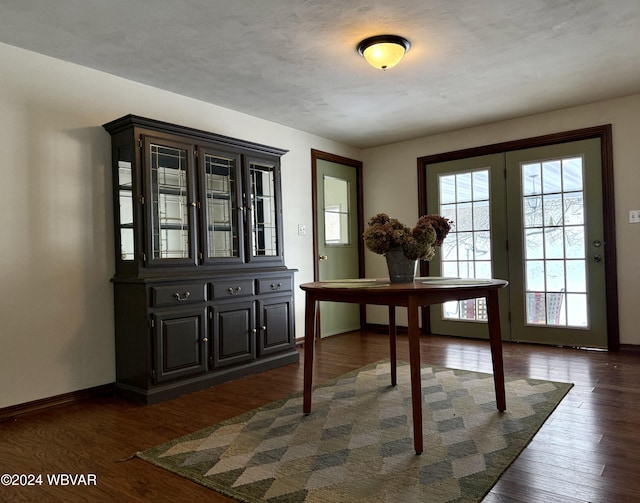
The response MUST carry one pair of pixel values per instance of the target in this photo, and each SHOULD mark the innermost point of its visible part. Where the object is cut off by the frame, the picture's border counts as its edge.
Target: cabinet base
(171, 390)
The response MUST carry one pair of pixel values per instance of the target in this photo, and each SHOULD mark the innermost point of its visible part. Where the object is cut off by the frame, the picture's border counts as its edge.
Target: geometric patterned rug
(357, 443)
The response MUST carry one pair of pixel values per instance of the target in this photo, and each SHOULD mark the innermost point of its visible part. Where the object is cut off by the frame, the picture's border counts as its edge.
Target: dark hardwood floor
(589, 449)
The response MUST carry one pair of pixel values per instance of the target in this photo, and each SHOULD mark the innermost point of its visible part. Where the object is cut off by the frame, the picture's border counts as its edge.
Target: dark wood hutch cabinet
(202, 294)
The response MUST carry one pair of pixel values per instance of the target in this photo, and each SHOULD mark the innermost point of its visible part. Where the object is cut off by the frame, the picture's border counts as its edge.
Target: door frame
(317, 155)
(604, 133)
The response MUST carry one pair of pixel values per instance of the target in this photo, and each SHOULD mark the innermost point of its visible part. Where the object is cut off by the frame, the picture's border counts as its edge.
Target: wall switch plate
(302, 230)
(634, 217)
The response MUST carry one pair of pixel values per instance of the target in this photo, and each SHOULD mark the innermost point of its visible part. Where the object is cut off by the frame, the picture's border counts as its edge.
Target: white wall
(391, 174)
(56, 255)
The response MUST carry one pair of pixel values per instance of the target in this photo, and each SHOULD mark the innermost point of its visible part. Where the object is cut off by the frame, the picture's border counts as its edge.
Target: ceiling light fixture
(383, 51)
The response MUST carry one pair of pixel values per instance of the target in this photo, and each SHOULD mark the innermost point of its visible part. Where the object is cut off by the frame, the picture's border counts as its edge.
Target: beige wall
(56, 256)
(391, 172)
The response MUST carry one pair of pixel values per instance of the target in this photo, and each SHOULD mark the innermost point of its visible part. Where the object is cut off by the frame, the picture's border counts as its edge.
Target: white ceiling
(294, 62)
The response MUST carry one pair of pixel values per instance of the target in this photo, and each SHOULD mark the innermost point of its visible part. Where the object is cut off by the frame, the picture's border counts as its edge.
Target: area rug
(357, 443)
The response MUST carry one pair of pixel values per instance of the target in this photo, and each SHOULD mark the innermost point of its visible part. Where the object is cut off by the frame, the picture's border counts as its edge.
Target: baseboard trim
(384, 329)
(13, 411)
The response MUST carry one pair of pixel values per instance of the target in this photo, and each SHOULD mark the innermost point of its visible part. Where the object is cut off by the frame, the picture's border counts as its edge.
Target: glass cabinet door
(124, 181)
(265, 241)
(223, 222)
(171, 202)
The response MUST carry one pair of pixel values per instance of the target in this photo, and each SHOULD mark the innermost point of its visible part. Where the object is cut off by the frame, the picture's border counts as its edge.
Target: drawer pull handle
(181, 297)
(275, 286)
(234, 291)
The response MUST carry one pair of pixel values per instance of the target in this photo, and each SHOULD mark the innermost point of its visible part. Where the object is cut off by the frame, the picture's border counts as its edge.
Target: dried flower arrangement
(419, 242)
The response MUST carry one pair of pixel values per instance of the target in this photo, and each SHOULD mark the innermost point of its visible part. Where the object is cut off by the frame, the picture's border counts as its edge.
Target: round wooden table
(421, 292)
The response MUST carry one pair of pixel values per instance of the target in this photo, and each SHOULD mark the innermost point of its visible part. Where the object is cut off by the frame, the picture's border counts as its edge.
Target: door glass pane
(125, 191)
(533, 247)
(480, 185)
(170, 217)
(551, 177)
(447, 190)
(553, 242)
(572, 174)
(534, 275)
(554, 237)
(576, 309)
(466, 253)
(336, 211)
(221, 197)
(264, 239)
(573, 209)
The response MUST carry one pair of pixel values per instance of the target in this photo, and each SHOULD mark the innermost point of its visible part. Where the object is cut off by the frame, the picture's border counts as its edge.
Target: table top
(431, 290)
(419, 283)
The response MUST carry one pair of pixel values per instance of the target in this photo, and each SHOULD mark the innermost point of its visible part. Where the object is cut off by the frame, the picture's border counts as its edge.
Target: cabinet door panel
(180, 343)
(234, 333)
(223, 211)
(264, 205)
(170, 202)
(276, 326)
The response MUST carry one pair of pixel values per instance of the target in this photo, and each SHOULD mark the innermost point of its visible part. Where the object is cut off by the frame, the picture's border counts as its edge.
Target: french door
(535, 218)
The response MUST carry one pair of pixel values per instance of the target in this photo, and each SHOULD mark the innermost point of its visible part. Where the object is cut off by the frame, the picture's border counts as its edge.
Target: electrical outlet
(302, 230)
(634, 217)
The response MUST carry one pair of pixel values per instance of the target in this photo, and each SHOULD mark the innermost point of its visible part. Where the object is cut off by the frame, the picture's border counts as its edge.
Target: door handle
(597, 258)
(323, 257)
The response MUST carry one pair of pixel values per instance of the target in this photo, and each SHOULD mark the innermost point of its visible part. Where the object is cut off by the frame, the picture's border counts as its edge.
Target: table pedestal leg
(393, 331)
(309, 333)
(495, 342)
(416, 381)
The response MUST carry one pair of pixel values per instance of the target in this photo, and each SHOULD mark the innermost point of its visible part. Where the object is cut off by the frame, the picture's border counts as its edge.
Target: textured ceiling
(294, 62)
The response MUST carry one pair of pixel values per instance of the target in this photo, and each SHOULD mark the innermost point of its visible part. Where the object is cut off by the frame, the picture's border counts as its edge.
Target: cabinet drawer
(273, 285)
(172, 295)
(233, 288)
